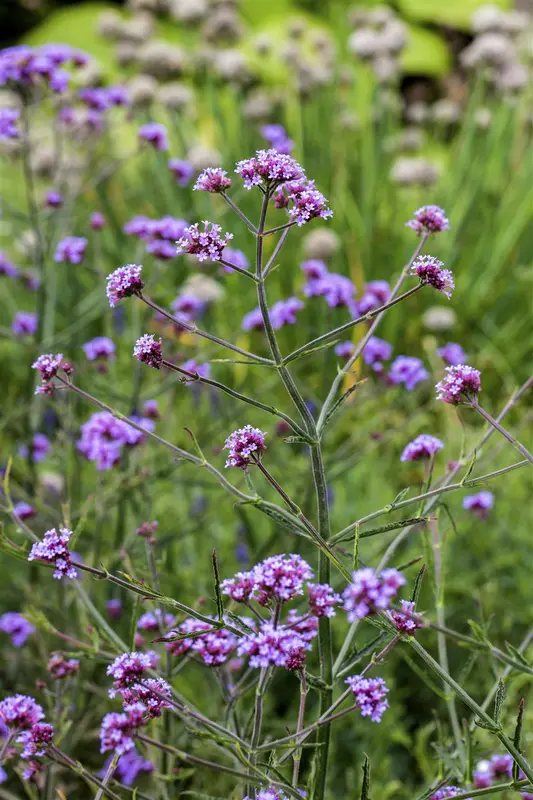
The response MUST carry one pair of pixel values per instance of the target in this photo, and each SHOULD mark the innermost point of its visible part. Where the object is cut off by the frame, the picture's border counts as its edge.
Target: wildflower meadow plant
(322, 614)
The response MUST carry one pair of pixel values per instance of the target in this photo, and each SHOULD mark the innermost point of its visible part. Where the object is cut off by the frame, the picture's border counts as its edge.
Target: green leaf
(365, 788)
(516, 654)
(498, 702)
(218, 595)
(517, 736)
(392, 526)
(418, 584)
(399, 497)
(339, 403)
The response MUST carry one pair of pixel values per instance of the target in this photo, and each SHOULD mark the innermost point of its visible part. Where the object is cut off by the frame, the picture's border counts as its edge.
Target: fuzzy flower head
(280, 578)
(370, 593)
(53, 549)
(17, 627)
(128, 668)
(370, 696)
(7, 268)
(48, 365)
(8, 123)
(97, 221)
(269, 794)
(236, 258)
(424, 446)
(213, 180)
(284, 312)
(38, 451)
(117, 730)
(322, 599)
(244, 445)
(60, 667)
(430, 272)
(406, 620)
(155, 620)
(148, 350)
(71, 249)
(375, 352)
(20, 712)
(124, 282)
(36, 740)
(408, 370)
(344, 349)
(24, 323)
(480, 504)
(460, 383)
(239, 588)
(206, 244)
(214, 647)
(182, 170)
(268, 168)
(101, 348)
(23, 510)
(253, 321)
(445, 792)
(271, 646)
(149, 694)
(375, 295)
(307, 203)
(196, 369)
(429, 219)
(155, 134)
(452, 353)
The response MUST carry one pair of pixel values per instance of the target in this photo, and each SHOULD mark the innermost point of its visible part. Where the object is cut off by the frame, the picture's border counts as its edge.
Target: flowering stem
(204, 334)
(108, 775)
(496, 425)
(270, 263)
(347, 367)
(9, 738)
(299, 727)
(61, 758)
(260, 690)
(501, 787)
(275, 230)
(242, 271)
(238, 211)
(194, 376)
(326, 337)
(473, 706)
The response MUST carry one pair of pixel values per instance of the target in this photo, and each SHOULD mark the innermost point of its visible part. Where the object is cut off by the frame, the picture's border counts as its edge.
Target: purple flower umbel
(206, 244)
(100, 348)
(424, 446)
(20, 712)
(36, 740)
(244, 445)
(60, 667)
(24, 323)
(8, 123)
(127, 669)
(452, 353)
(148, 350)
(53, 549)
(375, 352)
(155, 134)
(406, 620)
(284, 312)
(117, 730)
(17, 627)
(71, 249)
(370, 696)
(461, 383)
(124, 282)
(182, 170)
(407, 370)
(268, 168)
(322, 599)
(429, 219)
(370, 593)
(212, 179)
(430, 272)
(480, 503)
(445, 792)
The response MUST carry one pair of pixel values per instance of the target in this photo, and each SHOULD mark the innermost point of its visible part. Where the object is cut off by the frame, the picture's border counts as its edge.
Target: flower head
(149, 694)
(407, 370)
(375, 295)
(155, 134)
(20, 712)
(430, 272)
(344, 349)
(276, 136)
(212, 180)
(214, 647)
(459, 384)
(24, 323)
(53, 199)
(97, 221)
(151, 409)
(117, 730)
(280, 578)
(452, 353)
(40, 448)
(445, 792)
(53, 549)
(370, 696)
(100, 348)
(268, 168)
(314, 268)
(244, 446)
(271, 646)
(429, 219)
(235, 257)
(375, 352)
(60, 667)
(130, 765)
(240, 588)
(17, 627)
(48, 365)
(23, 510)
(202, 370)
(322, 599)
(124, 282)
(8, 123)
(424, 446)
(36, 740)
(127, 669)
(284, 312)
(114, 608)
(253, 321)
(206, 244)
(148, 350)
(306, 203)
(71, 249)
(7, 268)
(406, 620)
(155, 620)
(104, 436)
(370, 592)
(182, 170)
(480, 503)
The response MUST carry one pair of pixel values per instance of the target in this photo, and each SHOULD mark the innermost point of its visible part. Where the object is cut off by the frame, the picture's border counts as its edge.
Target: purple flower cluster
(370, 593)
(268, 168)
(53, 199)
(8, 123)
(129, 767)
(97, 221)
(480, 503)
(160, 235)
(428, 219)
(39, 65)
(154, 620)
(322, 599)
(39, 450)
(182, 170)
(118, 729)
(376, 294)
(148, 350)
(430, 272)
(71, 249)
(269, 794)
(488, 771)
(155, 134)
(187, 307)
(213, 180)
(53, 549)
(406, 620)
(304, 201)
(60, 667)
(253, 320)
(370, 696)
(244, 445)
(459, 384)
(375, 352)
(202, 370)
(101, 349)
(277, 579)
(407, 370)
(284, 312)
(214, 647)
(20, 712)
(128, 669)
(17, 627)
(7, 267)
(206, 244)
(344, 349)
(24, 323)
(23, 510)
(272, 646)
(36, 740)
(151, 693)
(103, 436)
(337, 290)
(445, 792)
(235, 257)
(277, 137)
(424, 446)
(452, 353)
(124, 282)
(48, 365)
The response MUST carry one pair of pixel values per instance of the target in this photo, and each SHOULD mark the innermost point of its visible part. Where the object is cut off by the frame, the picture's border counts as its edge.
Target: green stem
(496, 425)
(238, 211)
(270, 263)
(299, 728)
(108, 775)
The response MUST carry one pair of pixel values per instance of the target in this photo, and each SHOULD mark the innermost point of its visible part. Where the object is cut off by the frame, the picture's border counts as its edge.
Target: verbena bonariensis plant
(270, 618)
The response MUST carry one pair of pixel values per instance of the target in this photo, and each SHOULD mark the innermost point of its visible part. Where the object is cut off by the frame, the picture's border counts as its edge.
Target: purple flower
(60, 667)
(284, 312)
(23, 510)
(236, 257)
(212, 179)
(428, 219)
(213, 647)
(151, 409)
(502, 764)
(48, 365)
(375, 352)
(338, 290)
(424, 446)
(17, 627)
(130, 765)
(253, 321)
(53, 200)
(24, 323)
(452, 353)
(407, 370)
(139, 226)
(155, 134)
(307, 203)
(459, 384)
(117, 730)
(268, 168)
(375, 295)
(406, 620)
(7, 268)
(241, 587)
(322, 599)
(370, 696)
(95, 98)
(124, 282)
(99, 348)
(430, 272)
(154, 620)
(97, 221)
(370, 593)
(483, 775)
(102, 438)
(445, 792)
(314, 269)
(114, 608)
(270, 646)
(187, 307)
(276, 136)
(71, 249)
(40, 448)
(161, 248)
(148, 693)
(206, 244)
(245, 445)
(36, 740)
(127, 669)
(53, 549)
(480, 504)
(148, 350)
(20, 712)
(269, 794)
(280, 578)
(182, 170)
(202, 370)
(118, 95)
(8, 123)
(344, 349)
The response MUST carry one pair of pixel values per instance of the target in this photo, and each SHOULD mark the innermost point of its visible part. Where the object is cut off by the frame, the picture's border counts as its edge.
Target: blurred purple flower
(24, 323)
(407, 370)
(452, 353)
(182, 170)
(71, 249)
(424, 446)
(284, 312)
(17, 627)
(97, 221)
(480, 504)
(7, 268)
(155, 134)
(40, 448)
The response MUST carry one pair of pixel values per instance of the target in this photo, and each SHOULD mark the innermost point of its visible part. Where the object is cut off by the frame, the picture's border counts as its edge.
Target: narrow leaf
(498, 702)
(365, 788)
(218, 594)
(517, 736)
(418, 584)
(399, 497)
